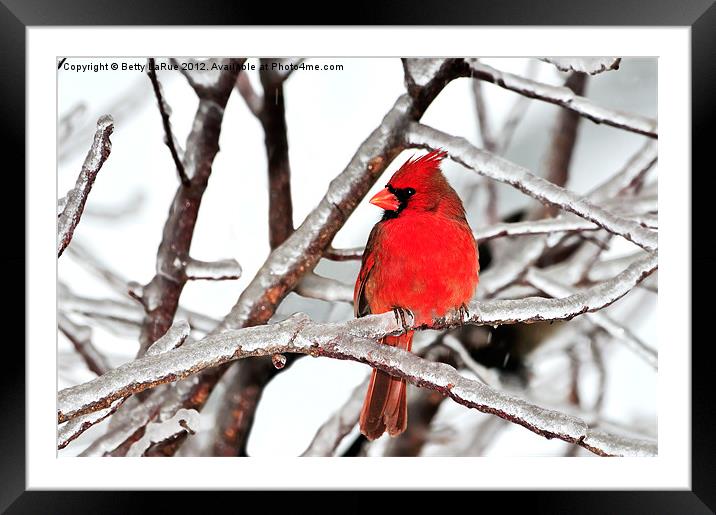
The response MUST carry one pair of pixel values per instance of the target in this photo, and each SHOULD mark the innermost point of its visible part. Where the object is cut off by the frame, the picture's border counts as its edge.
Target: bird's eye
(410, 192)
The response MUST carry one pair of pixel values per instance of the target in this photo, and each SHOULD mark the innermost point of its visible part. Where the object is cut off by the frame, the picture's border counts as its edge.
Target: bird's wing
(360, 302)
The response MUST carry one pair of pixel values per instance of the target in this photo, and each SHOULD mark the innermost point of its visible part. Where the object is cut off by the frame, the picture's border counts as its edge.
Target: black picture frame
(17, 15)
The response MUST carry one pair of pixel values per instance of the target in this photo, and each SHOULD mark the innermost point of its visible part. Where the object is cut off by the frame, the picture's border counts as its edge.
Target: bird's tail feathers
(385, 407)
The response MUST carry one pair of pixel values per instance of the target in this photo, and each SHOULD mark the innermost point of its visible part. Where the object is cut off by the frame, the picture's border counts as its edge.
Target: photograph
(357, 257)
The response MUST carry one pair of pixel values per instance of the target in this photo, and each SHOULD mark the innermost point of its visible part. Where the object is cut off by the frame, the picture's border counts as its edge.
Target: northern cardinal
(420, 257)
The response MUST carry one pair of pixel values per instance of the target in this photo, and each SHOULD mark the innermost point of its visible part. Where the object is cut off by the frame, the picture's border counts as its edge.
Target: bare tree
(547, 287)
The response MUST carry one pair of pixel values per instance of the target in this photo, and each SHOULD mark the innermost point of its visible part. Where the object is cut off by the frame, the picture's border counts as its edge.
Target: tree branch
(590, 65)
(226, 269)
(545, 283)
(73, 428)
(331, 433)
(298, 334)
(497, 168)
(349, 341)
(81, 339)
(299, 254)
(161, 294)
(76, 198)
(165, 112)
(563, 97)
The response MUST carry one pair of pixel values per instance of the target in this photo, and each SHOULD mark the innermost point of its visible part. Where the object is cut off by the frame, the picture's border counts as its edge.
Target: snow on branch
(76, 198)
(224, 269)
(497, 168)
(590, 65)
(563, 97)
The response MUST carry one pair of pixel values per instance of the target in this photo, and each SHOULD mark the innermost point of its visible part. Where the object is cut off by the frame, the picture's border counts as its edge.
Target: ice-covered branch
(229, 345)
(76, 198)
(165, 112)
(564, 224)
(341, 341)
(590, 65)
(333, 430)
(563, 97)
(543, 282)
(226, 269)
(73, 428)
(564, 136)
(81, 339)
(316, 286)
(497, 168)
(160, 296)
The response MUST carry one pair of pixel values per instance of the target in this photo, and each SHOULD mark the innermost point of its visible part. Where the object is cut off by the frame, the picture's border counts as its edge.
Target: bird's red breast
(420, 256)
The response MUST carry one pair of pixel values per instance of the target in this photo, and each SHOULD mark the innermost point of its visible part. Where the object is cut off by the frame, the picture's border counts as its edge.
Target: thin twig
(161, 294)
(81, 339)
(226, 269)
(174, 337)
(563, 97)
(164, 111)
(76, 198)
(497, 168)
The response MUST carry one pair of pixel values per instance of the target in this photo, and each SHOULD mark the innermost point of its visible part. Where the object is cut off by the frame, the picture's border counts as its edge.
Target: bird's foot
(464, 313)
(400, 317)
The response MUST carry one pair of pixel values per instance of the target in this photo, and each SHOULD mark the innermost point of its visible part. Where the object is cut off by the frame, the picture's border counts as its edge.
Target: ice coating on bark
(564, 97)
(212, 270)
(173, 338)
(610, 444)
(545, 283)
(318, 287)
(183, 420)
(77, 197)
(348, 341)
(330, 434)
(420, 71)
(590, 65)
(497, 168)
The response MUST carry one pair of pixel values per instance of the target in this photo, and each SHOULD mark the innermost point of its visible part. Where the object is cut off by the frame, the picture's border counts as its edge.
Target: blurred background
(328, 115)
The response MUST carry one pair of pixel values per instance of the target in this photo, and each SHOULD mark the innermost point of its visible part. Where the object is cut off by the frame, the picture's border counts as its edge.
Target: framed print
(377, 257)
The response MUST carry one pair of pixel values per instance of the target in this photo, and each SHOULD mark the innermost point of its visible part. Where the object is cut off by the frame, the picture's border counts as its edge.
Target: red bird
(420, 257)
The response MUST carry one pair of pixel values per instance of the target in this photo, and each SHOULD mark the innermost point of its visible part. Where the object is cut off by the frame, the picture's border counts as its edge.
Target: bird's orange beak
(384, 199)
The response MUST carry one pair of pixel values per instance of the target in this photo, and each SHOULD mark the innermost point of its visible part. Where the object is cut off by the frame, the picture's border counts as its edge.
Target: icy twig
(590, 65)
(76, 198)
(165, 112)
(183, 420)
(563, 97)
(160, 296)
(81, 339)
(226, 269)
(73, 428)
(497, 168)
(316, 286)
(342, 422)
